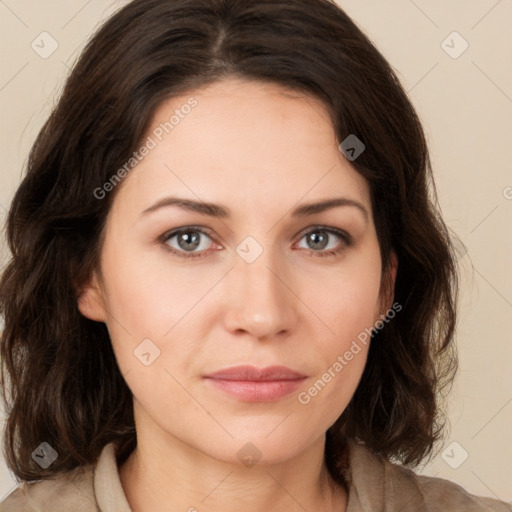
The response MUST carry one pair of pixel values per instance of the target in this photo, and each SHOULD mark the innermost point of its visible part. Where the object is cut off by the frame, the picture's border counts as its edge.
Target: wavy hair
(59, 377)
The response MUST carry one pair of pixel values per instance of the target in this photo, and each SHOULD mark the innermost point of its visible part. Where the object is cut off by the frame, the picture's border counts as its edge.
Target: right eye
(188, 242)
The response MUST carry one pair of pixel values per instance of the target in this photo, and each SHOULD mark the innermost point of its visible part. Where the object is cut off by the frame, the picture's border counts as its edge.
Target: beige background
(466, 106)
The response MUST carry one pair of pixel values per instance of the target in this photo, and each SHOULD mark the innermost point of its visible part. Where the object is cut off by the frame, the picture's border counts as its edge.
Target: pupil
(190, 239)
(318, 241)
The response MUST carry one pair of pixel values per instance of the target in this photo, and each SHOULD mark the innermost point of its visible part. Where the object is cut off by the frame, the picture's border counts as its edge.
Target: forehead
(246, 143)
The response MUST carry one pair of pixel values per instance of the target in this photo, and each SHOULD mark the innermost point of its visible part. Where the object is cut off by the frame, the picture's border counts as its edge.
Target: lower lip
(257, 391)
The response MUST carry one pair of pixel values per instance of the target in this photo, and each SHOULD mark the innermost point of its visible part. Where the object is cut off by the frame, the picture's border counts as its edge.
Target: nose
(261, 300)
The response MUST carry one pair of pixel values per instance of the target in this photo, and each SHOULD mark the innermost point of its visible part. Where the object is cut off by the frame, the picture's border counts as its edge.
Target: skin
(261, 151)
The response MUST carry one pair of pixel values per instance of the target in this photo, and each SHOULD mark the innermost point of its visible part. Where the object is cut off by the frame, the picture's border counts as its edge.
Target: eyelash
(345, 237)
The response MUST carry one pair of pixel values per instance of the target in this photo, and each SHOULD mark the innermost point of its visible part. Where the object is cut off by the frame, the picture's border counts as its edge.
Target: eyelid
(175, 231)
(330, 229)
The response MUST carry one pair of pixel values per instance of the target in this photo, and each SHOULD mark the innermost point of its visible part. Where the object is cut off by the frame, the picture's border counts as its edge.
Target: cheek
(349, 302)
(147, 292)
(348, 305)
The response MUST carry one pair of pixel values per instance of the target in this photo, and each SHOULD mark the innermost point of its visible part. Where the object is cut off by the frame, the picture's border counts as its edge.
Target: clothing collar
(375, 485)
(107, 483)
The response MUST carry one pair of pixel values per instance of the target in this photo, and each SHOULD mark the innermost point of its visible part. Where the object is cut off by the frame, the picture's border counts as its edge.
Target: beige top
(375, 485)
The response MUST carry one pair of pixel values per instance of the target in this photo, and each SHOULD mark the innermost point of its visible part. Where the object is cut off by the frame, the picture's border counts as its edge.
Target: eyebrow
(219, 211)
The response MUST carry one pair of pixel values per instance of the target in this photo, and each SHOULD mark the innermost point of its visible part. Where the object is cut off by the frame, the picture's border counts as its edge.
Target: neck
(168, 471)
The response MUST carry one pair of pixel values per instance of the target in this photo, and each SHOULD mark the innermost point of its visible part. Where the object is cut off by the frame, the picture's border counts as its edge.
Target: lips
(251, 384)
(251, 373)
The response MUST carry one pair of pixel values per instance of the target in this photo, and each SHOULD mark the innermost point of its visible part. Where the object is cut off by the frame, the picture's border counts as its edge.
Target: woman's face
(258, 280)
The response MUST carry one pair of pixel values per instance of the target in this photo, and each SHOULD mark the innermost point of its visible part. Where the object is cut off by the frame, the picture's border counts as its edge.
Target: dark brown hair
(59, 376)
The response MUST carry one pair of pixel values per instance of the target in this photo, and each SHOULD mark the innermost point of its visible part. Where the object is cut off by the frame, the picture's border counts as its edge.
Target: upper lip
(252, 373)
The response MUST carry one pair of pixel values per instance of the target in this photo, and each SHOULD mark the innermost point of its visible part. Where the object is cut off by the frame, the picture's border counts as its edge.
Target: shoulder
(375, 480)
(69, 491)
(439, 492)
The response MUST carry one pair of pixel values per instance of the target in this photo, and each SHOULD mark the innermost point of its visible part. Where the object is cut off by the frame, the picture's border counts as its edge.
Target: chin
(262, 447)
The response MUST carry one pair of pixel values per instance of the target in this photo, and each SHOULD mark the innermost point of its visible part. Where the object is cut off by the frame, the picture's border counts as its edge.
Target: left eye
(324, 240)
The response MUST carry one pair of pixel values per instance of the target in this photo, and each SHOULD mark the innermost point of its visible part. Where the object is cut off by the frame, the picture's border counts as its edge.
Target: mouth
(251, 384)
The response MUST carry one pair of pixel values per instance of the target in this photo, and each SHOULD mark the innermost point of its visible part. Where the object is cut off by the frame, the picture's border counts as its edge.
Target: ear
(90, 300)
(388, 285)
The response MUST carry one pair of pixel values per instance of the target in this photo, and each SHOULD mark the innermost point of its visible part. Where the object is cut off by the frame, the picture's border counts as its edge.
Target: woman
(229, 285)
